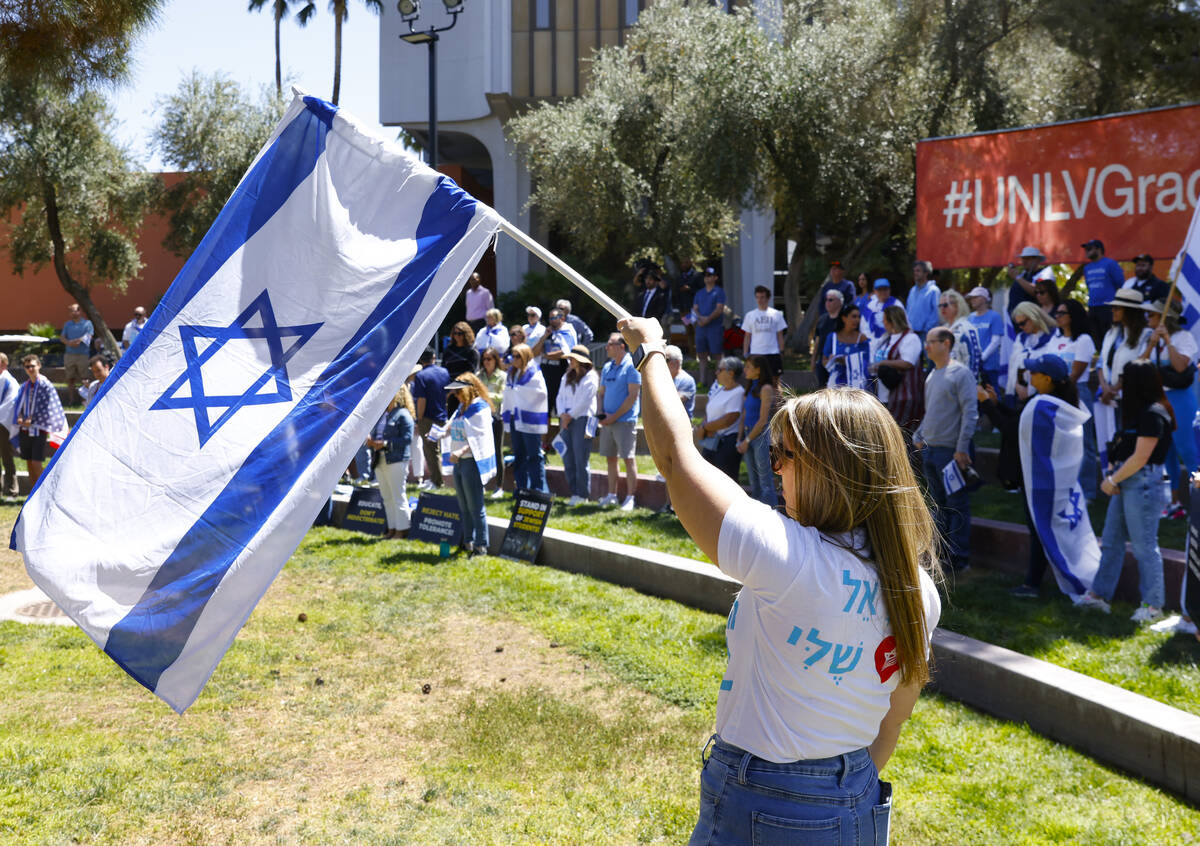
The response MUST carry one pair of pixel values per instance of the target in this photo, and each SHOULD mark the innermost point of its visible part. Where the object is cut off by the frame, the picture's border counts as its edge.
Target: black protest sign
(1191, 576)
(436, 519)
(366, 513)
(531, 510)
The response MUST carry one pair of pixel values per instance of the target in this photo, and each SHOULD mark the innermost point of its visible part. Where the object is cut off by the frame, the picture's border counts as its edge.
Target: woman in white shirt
(828, 639)
(1172, 349)
(526, 412)
(1073, 343)
(717, 435)
(493, 335)
(1033, 337)
(576, 404)
(956, 314)
(1125, 340)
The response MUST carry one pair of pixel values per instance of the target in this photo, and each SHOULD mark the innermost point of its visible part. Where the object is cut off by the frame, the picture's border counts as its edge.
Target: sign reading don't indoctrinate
(531, 510)
(365, 513)
(436, 519)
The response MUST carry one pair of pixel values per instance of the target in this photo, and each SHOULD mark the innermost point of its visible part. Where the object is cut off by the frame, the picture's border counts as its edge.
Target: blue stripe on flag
(486, 465)
(156, 630)
(535, 418)
(286, 163)
(1044, 488)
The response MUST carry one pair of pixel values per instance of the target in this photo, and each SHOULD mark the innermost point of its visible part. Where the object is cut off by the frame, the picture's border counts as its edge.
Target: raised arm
(700, 493)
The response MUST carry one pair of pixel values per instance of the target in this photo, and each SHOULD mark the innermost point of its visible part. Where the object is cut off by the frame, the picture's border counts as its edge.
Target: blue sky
(220, 35)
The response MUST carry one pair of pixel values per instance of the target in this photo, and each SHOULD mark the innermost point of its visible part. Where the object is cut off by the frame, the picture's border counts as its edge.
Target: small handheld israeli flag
(560, 445)
(952, 478)
(590, 427)
(203, 459)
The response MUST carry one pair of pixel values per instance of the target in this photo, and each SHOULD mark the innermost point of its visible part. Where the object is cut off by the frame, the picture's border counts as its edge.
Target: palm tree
(279, 10)
(341, 11)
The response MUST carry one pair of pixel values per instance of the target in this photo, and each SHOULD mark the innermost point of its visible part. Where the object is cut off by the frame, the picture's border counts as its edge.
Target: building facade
(502, 56)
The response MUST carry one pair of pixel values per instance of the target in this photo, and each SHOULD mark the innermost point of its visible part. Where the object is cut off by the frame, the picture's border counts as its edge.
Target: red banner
(1130, 180)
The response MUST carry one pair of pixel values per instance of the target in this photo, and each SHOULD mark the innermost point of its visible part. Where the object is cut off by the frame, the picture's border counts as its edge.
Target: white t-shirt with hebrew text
(812, 663)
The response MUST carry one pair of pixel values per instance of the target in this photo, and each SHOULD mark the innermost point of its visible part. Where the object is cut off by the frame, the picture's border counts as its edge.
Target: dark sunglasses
(1062, 312)
(779, 454)
(944, 305)
(1022, 323)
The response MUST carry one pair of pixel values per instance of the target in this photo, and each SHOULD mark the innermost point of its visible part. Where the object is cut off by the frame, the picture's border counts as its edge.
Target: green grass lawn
(977, 604)
(559, 710)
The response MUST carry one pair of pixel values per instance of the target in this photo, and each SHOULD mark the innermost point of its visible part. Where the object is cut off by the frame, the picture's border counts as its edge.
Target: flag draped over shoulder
(201, 463)
(1051, 437)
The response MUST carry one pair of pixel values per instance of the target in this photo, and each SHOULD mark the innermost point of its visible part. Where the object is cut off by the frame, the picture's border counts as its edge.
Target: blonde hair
(495, 314)
(475, 389)
(1032, 311)
(898, 317)
(851, 470)
(403, 398)
(524, 354)
(961, 309)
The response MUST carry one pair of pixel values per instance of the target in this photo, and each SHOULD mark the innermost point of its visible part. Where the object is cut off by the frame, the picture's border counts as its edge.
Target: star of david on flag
(224, 428)
(201, 402)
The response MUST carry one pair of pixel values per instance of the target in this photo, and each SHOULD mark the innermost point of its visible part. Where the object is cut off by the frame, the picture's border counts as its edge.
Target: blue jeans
(529, 464)
(469, 489)
(953, 512)
(758, 469)
(1089, 467)
(746, 800)
(1133, 515)
(575, 462)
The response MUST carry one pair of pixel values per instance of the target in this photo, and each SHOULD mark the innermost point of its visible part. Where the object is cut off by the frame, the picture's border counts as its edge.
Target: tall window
(629, 12)
(541, 14)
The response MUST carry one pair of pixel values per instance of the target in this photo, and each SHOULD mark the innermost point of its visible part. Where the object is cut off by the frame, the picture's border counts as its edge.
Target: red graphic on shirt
(886, 662)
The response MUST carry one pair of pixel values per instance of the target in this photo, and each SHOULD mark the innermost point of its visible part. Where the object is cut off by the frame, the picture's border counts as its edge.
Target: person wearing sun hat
(576, 405)
(1124, 341)
(1022, 289)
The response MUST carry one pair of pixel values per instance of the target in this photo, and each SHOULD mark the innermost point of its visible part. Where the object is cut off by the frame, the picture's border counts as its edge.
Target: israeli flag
(197, 469)
(1051, 436)
(1186, 272)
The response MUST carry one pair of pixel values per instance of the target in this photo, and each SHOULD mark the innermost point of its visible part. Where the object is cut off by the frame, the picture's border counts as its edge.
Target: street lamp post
(410, 10)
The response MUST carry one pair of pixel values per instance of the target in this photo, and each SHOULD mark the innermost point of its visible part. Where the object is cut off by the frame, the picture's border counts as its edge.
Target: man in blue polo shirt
(619, 401)
(429, 397)
(1104, 278)
(77, 338)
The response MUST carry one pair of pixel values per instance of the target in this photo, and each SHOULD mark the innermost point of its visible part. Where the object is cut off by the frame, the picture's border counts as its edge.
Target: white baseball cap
(1031, 252)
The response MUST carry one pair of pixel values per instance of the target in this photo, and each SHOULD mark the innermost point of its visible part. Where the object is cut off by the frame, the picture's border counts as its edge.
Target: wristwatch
(643, 353)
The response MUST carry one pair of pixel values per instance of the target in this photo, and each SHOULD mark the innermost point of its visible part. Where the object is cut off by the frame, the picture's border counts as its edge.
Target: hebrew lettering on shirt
(869, 590)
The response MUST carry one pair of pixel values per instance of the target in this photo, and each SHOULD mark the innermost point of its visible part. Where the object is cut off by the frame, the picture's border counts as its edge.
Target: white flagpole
(610, 305)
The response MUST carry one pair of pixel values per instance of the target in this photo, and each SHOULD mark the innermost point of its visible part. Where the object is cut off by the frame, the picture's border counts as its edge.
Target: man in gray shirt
(944, 436)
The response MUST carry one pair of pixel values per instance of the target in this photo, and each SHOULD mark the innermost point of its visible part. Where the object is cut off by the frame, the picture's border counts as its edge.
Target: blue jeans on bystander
(469, 489)
(758, 469)
(744, 800)
(575, 462)
(1133, 516)
(529, 464)
(953, 512)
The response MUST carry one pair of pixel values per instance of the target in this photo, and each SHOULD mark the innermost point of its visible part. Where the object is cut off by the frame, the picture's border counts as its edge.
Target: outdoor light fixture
(410, 10)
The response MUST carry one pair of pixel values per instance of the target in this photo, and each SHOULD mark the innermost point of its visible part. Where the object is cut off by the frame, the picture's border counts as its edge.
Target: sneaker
(499, 494)
(627, 505)
(1175, 511)
(426, 485)
(573, 501)
(1090, 600)
(608, 499)
(1024, 592)
(666, 509)
(1146, 614)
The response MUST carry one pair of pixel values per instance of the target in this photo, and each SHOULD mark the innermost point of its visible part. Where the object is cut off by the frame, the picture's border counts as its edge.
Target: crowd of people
(941, 362)
(1120, 369)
